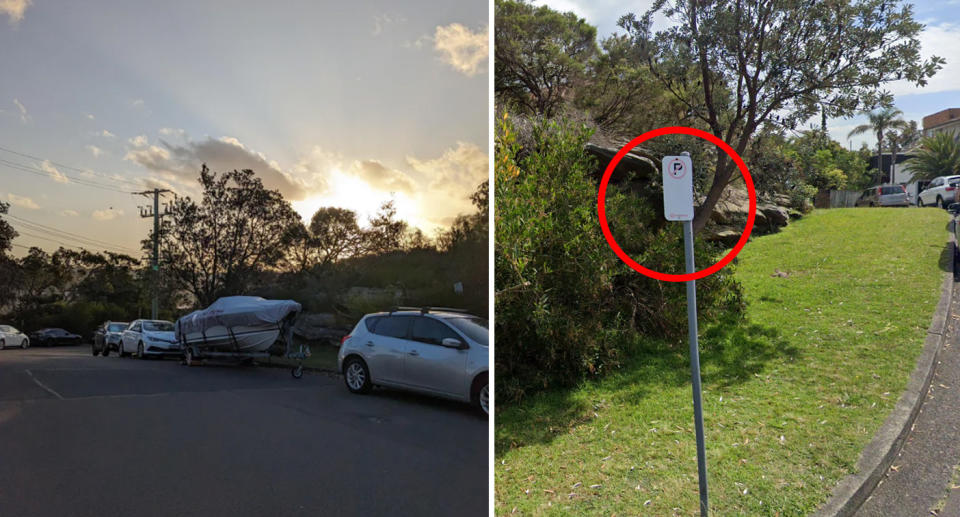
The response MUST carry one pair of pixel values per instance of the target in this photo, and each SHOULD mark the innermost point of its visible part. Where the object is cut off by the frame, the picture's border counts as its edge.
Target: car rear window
(393, 326)
(891, 190)
(371, 323)
(117, 327)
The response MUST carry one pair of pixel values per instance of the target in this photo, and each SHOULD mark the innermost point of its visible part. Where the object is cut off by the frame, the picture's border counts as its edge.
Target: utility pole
(155, 213)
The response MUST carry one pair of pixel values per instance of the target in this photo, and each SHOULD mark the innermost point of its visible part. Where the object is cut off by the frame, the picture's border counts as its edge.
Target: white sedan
(149, 337)
(11, 337)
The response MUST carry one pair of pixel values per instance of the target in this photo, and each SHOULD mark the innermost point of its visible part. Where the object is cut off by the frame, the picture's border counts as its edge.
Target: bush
(566, 306)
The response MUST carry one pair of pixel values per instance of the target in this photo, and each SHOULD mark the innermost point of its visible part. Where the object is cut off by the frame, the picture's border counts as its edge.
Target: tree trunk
(725, 168)
(879, 157)
(893, 163)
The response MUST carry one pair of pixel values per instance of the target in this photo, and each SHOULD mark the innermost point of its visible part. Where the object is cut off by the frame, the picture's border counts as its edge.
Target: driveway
(94, 436)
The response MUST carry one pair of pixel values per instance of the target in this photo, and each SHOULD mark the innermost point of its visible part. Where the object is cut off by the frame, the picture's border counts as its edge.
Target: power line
(65, 235)
(70, 167)
(46, 174)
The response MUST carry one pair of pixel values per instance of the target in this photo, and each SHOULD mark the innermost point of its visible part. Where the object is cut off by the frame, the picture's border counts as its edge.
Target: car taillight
(344, 339)
(950, 187)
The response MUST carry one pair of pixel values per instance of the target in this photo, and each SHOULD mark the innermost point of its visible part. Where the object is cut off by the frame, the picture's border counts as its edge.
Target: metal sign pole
(695, 366)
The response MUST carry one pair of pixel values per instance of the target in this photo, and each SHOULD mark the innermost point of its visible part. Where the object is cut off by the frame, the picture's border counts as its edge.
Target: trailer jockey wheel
(297, 372)
(188, 357)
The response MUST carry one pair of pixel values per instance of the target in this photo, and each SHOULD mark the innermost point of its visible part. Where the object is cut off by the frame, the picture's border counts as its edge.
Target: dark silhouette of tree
(219, 245)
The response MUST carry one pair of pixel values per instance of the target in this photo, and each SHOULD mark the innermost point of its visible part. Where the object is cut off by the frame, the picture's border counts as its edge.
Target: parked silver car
(884, 195)
(441, 352)
(11, 337)
(149, 337)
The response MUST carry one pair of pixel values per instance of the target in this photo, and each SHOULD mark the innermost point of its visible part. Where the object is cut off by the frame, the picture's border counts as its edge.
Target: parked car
(940, 192)
(54, 336)
(11, 337)
(442, 352)
(149, 338)
(107, 337)
(884, 195)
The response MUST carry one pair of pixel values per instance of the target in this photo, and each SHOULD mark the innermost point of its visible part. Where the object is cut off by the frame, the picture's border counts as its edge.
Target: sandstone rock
(775, 215)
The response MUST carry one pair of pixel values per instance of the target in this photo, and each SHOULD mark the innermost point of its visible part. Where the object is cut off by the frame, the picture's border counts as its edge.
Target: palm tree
(880, 121)
(939, 155)
(900, 139)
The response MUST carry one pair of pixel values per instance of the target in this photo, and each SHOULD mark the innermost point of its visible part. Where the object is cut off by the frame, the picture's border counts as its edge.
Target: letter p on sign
(678, 188)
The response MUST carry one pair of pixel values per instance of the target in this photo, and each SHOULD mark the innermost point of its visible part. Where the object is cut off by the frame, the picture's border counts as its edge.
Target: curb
(305, 368)
(879, 454)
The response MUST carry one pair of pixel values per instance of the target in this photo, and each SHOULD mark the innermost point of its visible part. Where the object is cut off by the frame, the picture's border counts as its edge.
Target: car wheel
(940, 202)
(3, 344)
(140, 351)
(480, 394)
(919, 202)
(357, 376)
(106, 350)
(95, 351)
(25, 343)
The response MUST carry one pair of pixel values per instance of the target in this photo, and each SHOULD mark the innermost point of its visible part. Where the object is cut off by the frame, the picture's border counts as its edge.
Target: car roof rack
(426, 310)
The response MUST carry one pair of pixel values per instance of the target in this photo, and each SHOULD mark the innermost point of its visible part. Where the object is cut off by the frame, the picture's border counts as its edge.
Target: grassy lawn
(791, 395)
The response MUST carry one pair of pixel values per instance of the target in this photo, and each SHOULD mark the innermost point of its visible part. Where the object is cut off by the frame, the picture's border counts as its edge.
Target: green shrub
(566, 306)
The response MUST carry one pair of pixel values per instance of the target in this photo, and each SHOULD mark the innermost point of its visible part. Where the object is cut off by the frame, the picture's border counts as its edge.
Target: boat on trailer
(241, 327)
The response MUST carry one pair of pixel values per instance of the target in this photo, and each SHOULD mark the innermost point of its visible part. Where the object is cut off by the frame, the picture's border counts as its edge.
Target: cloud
(54, 173)
(24, 116)
(90, 116)
(138, 141)
(69, 213)
(184, 161)
(936, 40)
(451, 179)
(169, 131)
(462, 167)
(381, 21)
(381, 177)
(459, 47)
(95, 151)
(107, 134)
(22, 202)
(14, 9)
(107, 214)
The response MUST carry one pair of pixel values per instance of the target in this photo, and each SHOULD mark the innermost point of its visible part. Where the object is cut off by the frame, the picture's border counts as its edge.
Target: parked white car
(940, 192)
(149, 337)
(436, 351)
(11, 337)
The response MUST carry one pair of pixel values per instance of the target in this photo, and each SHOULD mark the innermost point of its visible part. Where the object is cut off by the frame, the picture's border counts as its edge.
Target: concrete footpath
(924, 479)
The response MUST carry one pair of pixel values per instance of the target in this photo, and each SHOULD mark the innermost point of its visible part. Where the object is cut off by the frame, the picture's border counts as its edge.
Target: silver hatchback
(440, 352)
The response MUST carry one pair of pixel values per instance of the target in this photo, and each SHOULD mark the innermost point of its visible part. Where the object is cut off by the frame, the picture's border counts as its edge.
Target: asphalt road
(925, 477)
(93, 436)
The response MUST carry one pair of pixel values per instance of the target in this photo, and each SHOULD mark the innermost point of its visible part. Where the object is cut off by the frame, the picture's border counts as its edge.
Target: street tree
(880, 122)
(539, 54)
(736, 65)
(220, 244)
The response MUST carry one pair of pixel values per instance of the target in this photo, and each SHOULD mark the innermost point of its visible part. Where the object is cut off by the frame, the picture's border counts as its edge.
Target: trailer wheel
(297, 372)
(188, 357)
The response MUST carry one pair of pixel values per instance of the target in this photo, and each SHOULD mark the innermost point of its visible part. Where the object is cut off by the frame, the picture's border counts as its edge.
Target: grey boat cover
(234, 311)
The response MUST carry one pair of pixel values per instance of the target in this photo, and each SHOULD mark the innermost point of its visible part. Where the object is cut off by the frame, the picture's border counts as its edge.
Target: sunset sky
(344, 104)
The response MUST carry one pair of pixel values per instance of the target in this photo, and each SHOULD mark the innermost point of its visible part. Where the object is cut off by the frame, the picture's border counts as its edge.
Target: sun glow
(346, 191)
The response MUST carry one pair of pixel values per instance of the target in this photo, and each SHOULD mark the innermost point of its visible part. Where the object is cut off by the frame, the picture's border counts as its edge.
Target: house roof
(941, 118)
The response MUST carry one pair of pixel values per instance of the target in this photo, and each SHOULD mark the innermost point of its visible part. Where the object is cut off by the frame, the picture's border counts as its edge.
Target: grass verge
(838, 307)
